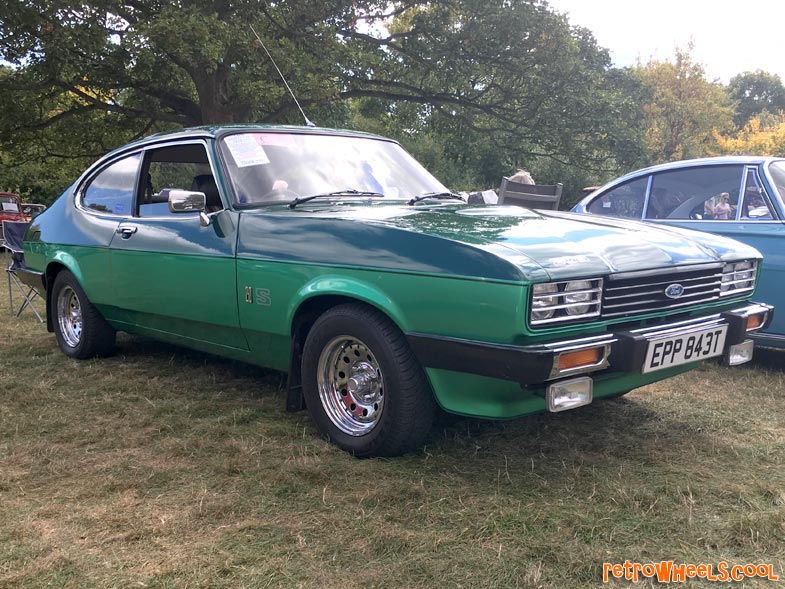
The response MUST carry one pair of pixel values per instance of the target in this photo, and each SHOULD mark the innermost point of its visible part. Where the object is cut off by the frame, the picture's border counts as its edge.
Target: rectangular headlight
(738, 278)
(569, 300)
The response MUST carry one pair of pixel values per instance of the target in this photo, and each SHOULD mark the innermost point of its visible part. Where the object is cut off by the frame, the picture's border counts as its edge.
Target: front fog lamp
(569, 394)
(738, 277)
(739, 353)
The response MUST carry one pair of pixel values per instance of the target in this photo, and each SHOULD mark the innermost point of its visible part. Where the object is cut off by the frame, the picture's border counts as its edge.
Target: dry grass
(165, 468)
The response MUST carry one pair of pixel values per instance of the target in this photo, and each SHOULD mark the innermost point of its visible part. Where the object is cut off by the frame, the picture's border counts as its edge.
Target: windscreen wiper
(344, 192)
(437, 195)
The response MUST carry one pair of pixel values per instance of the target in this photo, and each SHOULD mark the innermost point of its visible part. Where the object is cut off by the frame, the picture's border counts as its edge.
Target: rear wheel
(363, 386)
(80, 329)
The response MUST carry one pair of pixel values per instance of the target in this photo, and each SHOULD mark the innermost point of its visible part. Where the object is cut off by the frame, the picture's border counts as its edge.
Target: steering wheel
(280, 194)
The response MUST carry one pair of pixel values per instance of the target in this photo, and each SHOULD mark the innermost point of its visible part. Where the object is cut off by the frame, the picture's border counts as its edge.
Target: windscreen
(777, 171)
(267, 167)
(9, 204)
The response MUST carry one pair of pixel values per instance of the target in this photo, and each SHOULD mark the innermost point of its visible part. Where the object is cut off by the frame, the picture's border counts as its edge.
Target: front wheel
(80, 329)
(364, 388)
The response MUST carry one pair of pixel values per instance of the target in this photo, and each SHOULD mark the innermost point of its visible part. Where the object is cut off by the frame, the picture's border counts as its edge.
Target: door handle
(126, 231)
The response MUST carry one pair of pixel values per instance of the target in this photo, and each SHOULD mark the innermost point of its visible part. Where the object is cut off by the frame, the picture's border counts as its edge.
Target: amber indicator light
(580, 358)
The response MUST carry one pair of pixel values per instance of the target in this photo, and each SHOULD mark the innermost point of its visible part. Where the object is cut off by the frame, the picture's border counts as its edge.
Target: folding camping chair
(13, 235)
(535, 196)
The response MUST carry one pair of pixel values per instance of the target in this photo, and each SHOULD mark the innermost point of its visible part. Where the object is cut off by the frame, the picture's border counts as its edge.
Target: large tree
(754, 93)
(87, 76)
(683, 109)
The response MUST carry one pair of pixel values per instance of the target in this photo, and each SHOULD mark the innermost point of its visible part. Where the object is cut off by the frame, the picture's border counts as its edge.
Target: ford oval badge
(674, 291)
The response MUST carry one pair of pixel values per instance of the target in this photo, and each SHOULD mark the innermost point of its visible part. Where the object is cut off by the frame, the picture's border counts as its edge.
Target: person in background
(522, 177)
(722, 210)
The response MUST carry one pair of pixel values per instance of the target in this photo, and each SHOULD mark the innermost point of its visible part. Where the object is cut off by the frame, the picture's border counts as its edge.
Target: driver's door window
(183, 167)
(699, 193)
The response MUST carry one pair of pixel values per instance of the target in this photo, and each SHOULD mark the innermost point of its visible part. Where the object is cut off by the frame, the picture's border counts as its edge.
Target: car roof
(675, 165)
(702, 161)
(216, 131)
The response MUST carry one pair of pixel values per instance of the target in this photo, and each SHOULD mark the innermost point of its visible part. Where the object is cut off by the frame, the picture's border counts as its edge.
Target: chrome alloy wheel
(351, 385)
(69, 316)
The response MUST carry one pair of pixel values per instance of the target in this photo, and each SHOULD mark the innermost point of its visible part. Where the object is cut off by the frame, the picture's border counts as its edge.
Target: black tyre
(362, 384)
(80, 329)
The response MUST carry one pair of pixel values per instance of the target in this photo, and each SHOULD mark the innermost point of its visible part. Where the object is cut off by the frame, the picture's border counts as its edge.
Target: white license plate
(681, 349)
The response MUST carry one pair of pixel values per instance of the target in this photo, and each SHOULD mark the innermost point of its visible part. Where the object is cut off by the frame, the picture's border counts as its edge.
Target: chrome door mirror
(187, 201)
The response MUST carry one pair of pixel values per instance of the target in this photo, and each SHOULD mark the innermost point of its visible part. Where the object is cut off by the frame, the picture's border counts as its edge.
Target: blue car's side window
(112, 190)
(697, 193)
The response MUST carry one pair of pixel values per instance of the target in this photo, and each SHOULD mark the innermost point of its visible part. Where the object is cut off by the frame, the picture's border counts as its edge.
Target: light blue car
(742, 197)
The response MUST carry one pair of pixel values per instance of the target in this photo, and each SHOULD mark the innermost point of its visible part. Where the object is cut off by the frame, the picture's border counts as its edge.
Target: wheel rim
(69, 316)
(351, 385)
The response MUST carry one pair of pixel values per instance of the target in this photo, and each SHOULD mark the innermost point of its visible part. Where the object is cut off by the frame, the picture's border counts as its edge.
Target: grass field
(165, 468)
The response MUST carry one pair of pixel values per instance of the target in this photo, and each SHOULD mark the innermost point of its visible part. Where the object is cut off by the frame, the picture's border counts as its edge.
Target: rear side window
(112, 190)
(708, 192)
(622, 201)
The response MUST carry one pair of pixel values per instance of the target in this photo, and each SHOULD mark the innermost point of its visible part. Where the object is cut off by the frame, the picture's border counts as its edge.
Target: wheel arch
(60, 262)
(315, 300)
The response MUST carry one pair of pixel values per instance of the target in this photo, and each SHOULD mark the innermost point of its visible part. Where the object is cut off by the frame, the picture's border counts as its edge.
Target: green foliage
(683, 111)
(473, 87)
(755, 93)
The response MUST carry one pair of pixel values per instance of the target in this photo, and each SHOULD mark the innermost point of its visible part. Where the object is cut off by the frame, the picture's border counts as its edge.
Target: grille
(644, 292)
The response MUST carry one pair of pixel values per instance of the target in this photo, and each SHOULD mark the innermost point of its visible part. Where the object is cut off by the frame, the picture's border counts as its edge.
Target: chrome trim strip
(640, 312)
(142, 150)
(754, 309)
(585, 343)
(668, 271)
(672, 328)
(604, 362)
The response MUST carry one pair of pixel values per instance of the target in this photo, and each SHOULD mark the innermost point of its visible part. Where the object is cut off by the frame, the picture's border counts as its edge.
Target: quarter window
(112, 190)
(622, 201)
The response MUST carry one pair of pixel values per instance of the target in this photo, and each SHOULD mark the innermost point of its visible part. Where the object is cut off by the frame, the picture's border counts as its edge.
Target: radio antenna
(308, 123)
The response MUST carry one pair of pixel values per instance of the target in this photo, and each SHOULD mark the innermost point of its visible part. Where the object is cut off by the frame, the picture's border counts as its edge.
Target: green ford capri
(336, 257)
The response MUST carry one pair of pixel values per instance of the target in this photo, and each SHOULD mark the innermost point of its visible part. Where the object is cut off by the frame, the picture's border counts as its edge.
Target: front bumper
(619, 352)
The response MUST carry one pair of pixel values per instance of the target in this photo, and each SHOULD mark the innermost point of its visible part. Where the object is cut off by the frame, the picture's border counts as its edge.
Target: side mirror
(187, 201)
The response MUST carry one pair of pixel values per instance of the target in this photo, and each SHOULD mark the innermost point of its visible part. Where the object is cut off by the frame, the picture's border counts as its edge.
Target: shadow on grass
(768, 358)
(605, 426)
(625, 428)
(171, 357)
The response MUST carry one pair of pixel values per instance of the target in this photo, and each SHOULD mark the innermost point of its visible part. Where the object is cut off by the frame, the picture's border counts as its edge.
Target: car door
(102, 201)
(174, 276)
